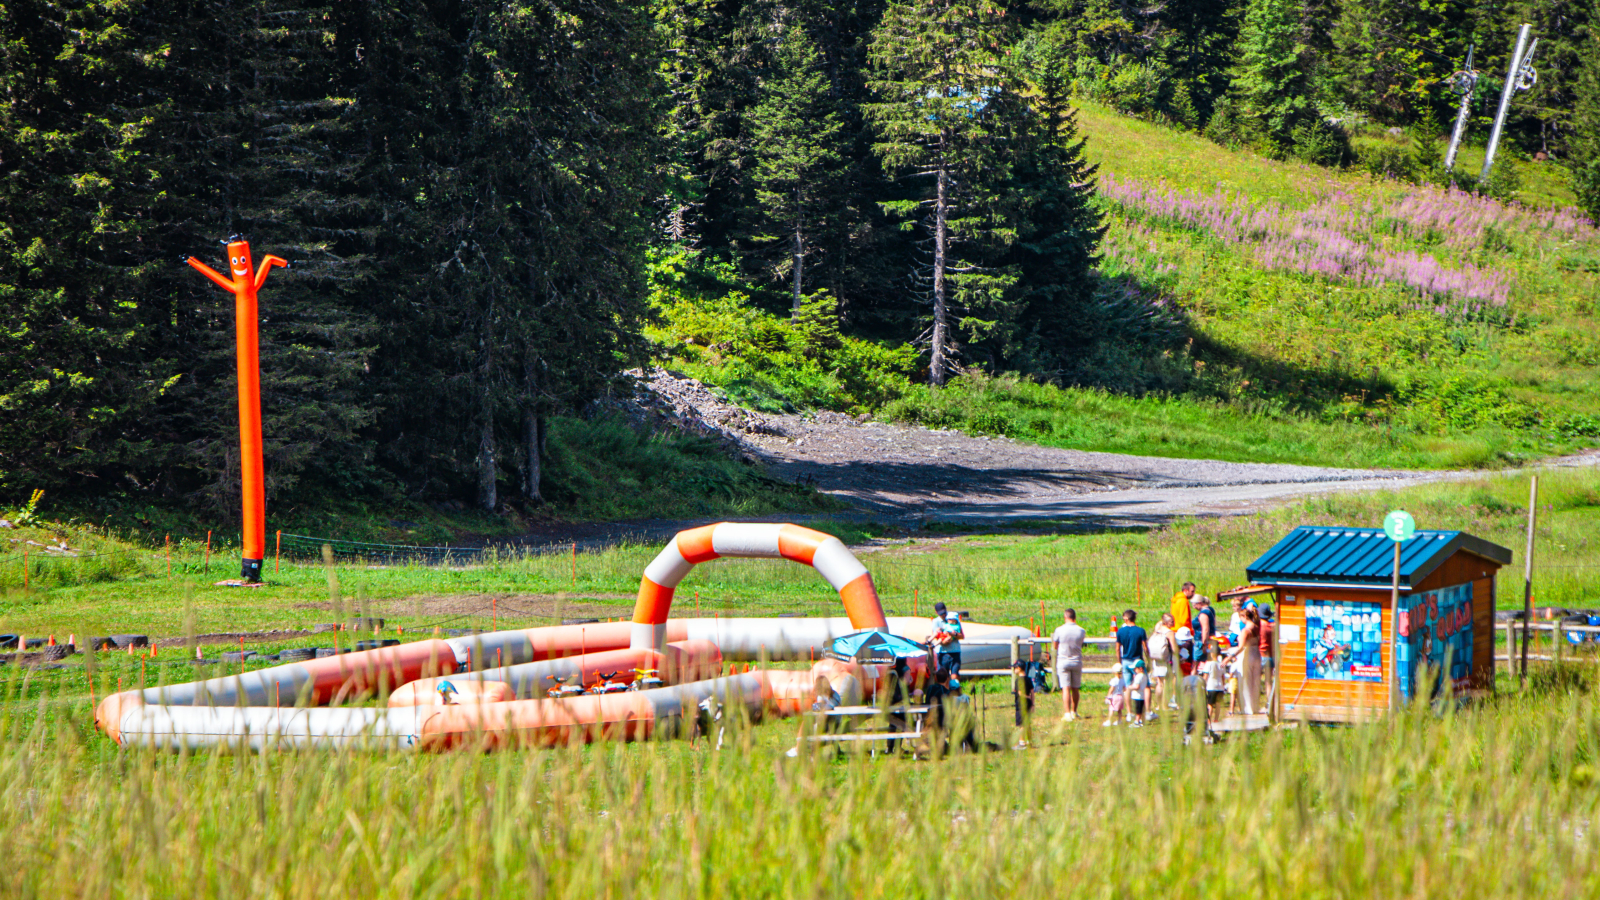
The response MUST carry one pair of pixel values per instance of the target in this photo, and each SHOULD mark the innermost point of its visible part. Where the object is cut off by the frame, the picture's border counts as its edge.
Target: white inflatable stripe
(836, 563)
(745, 539)
(669, 567)
(645, 636)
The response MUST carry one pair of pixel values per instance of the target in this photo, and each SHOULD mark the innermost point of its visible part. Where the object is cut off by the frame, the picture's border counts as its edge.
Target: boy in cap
(947, 635)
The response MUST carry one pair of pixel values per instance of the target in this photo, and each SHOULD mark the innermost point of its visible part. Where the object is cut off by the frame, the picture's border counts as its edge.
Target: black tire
(365, 623)
(376, 645)
(59, 651)
(8, 642)
(124, 641)
(324, 628)
(325, 652)
(237, 656)
(101, 643)
(579, 621)
(297, 654)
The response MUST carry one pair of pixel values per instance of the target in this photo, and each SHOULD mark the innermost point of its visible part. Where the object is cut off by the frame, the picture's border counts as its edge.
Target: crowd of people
(1186, 653)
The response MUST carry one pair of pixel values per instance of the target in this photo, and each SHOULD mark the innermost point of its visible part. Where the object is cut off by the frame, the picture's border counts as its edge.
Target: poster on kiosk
(1436, 641)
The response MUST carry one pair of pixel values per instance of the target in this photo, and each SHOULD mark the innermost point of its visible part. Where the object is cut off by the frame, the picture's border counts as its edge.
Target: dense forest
(473, 196)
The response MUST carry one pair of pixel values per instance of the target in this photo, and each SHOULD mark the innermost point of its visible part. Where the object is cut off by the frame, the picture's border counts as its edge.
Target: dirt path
(915, 475)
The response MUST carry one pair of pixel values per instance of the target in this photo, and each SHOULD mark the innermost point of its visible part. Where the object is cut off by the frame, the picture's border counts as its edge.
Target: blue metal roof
(1331, 555)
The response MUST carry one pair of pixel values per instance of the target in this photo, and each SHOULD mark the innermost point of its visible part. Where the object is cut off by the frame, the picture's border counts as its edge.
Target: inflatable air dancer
(244, 285)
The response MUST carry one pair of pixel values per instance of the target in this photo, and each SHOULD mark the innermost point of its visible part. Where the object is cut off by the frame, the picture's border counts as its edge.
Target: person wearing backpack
(1163, 654)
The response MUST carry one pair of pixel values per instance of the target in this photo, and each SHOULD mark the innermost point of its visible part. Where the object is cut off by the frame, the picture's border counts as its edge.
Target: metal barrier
(1557, 631)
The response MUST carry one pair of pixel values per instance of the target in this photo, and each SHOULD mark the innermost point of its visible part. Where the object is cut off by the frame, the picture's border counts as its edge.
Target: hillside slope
(1254, 310)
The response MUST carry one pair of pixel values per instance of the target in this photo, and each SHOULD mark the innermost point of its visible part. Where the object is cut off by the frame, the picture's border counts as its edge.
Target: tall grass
(1497, 801)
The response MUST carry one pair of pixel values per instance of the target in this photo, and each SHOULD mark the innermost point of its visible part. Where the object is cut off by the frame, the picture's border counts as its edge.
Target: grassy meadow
(1422, 805)
(1001, 577)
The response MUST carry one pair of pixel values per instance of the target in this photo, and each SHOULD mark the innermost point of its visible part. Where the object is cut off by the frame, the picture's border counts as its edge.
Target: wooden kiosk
(1336, 626)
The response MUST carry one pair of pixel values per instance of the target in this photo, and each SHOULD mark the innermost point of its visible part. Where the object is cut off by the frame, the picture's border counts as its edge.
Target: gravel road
(922, 475)
(916, 475)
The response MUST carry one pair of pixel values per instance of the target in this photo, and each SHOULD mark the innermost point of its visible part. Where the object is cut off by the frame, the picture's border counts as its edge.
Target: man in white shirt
(1066, 644)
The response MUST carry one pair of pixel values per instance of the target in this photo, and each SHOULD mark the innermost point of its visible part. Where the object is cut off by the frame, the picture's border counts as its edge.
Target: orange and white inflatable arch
(823, 552)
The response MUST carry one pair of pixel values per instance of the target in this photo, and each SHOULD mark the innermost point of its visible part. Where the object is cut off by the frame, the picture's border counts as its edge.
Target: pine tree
(1269, 96)
(1198, 49)
(1058, 227)
(1584, 157)
(796, 134)
(945, 105)
(1389, 57)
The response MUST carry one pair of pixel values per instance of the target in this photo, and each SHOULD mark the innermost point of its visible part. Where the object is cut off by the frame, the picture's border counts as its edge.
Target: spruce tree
(1269, 95)
(945, 107)
(1198, 49)
(1584, 156)
(1386, 58)
(796, 134)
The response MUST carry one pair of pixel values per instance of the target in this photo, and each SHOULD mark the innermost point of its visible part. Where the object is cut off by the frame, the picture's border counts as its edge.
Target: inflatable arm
(224, 283)
(266, 266)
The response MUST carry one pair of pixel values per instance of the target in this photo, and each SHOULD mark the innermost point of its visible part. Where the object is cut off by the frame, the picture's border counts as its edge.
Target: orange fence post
(208, 551)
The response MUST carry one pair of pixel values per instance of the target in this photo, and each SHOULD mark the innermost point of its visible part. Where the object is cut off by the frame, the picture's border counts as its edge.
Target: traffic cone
(51, 642)
(72, 641)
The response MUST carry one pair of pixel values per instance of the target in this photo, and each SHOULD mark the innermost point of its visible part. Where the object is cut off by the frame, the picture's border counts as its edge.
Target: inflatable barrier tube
(629, 716)
(313, 682)
(178, 728)
(683, 661)
(823, 552)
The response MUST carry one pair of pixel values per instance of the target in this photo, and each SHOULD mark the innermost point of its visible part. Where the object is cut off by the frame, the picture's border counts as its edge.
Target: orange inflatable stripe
(695, 545)
(655, 602)
(799, 544)
(861, 603)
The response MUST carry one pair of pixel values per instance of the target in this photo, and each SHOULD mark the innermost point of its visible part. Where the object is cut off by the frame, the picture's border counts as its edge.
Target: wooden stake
(1527, 579)
(208, 551)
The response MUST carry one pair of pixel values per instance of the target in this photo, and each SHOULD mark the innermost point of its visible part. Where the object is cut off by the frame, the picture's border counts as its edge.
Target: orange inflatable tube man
(243, 285)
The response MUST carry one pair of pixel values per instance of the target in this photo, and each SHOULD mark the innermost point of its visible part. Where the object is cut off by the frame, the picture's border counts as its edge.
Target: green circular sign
(1399, 525)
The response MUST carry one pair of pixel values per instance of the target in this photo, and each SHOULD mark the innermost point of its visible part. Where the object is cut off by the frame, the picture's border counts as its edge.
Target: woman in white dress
(1248, 655)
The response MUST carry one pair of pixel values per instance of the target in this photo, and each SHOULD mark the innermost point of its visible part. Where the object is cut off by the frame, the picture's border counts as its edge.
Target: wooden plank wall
(1319, 699)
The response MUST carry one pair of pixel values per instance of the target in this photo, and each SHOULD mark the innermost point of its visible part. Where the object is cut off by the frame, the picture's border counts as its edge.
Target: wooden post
(1394, 634)
(1527, 579)
(1555, 633)
(208, 551)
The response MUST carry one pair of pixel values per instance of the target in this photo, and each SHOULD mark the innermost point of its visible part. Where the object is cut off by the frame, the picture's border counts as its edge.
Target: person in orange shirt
(1182, 610)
